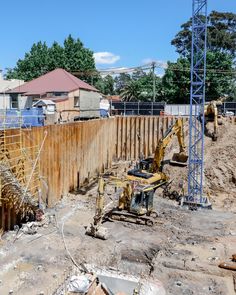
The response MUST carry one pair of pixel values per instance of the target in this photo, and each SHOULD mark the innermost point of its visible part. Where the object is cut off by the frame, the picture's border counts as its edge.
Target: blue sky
(133, 31)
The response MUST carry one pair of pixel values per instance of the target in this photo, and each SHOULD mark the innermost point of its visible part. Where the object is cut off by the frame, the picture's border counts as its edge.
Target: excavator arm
(211, 115)
(181, 157)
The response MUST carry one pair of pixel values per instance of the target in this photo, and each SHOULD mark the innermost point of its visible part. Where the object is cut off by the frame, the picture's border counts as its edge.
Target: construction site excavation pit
(180, 253)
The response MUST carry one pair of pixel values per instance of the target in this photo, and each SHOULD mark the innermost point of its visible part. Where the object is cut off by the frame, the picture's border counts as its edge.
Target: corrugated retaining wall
(73, 153)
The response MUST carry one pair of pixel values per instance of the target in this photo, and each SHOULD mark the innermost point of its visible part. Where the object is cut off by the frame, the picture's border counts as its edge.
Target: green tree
(56, 57)
(33, 65)
(131, 92)
(221, 46)
(121, 81)
(108, 85)
(72, 56)
(176, 82)
(221, 34)
(138, 74)
(105, 85)
(146, 87)
(220, 78)
(220, 75)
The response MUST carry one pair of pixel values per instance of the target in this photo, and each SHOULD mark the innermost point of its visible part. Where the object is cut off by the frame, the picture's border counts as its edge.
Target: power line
(123, 70)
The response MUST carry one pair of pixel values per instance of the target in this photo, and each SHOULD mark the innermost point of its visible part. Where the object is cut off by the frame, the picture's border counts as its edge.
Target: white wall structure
(5, 99)
(89, 103)
(177, 109)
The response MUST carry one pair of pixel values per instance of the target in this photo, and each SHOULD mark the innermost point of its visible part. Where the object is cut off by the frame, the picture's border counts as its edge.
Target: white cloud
(159, 63)
(105, 58)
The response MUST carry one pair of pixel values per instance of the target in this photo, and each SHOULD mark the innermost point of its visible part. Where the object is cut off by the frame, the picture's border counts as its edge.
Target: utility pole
(154, 80)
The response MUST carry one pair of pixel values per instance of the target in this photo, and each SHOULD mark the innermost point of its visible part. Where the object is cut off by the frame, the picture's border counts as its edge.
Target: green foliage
(140, 88)
(33, 65)
(221, 45)
(131, 92)
(220, 75)
(221, 34)
(220, 78)
(121, 81)
(176, 82)
(105, 85)
(73, 56)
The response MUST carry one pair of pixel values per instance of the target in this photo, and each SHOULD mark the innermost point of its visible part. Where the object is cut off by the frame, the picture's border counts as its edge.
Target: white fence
(184, 109)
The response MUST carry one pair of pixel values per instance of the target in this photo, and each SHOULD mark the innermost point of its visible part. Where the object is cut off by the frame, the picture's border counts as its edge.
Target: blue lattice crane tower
(197, 101)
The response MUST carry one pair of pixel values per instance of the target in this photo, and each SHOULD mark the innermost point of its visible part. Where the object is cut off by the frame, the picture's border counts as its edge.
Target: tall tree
(220, 78)
(121, 81)
(176, 82)
(221, 45)
(33, 65)
(221, 34)
(105, 85)
(72, 56)
(220, 75)
(56, 56)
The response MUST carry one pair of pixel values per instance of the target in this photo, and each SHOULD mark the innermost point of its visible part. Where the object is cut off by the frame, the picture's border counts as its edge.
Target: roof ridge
(69, 76)
(27, 82)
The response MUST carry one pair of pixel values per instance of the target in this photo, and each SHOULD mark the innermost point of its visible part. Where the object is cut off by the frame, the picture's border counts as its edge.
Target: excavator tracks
(125, 216)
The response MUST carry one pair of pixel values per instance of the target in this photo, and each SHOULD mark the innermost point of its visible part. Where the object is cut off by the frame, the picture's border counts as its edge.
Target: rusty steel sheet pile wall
(138, 136)
(74, 153)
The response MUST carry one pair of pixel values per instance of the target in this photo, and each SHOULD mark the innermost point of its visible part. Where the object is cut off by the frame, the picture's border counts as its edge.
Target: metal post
(154, 81)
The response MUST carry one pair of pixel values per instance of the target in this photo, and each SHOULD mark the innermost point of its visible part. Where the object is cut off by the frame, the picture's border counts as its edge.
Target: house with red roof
(72, 96)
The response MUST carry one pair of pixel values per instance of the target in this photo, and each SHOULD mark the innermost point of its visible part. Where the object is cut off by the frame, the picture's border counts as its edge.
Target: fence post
(110, 107)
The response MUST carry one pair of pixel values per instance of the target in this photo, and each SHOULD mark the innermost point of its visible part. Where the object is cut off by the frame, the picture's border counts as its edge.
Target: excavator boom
(149, 171)
(178, 158)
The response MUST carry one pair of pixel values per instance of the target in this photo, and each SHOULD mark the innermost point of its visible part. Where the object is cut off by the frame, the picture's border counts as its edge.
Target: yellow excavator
(135, 205)
(212, 114)
(149, 171)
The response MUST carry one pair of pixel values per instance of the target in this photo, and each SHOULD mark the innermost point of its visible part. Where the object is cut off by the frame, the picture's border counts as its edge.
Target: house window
(56, 94)
(14, 101)
(76, 101)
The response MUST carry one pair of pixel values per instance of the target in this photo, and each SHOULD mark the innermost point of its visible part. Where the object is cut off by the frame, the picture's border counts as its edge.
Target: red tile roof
(58, 80)
(113, 97)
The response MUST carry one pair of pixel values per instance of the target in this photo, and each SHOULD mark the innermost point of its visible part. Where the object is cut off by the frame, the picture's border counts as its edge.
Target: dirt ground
(219, 166)
(182, 250)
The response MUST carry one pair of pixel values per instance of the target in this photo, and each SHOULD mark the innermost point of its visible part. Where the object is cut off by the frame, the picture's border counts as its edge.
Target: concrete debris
(78, 284)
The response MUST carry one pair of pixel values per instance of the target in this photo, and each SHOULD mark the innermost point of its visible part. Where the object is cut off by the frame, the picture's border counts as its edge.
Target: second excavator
(149, 171)
(212, 113)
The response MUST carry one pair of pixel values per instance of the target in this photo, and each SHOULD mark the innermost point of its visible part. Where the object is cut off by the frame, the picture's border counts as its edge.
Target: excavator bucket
(179, 159)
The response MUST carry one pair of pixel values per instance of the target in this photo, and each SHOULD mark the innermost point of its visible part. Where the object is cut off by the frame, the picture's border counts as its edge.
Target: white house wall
(4, 101)
(25, 102)
(89, 103)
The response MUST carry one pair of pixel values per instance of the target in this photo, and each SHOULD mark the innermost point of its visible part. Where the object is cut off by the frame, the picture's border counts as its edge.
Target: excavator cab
(142, 201)
(146, 164)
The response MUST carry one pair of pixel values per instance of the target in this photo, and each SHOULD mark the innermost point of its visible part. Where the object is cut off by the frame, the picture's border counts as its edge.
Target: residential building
(7, 101)
(72, 96)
